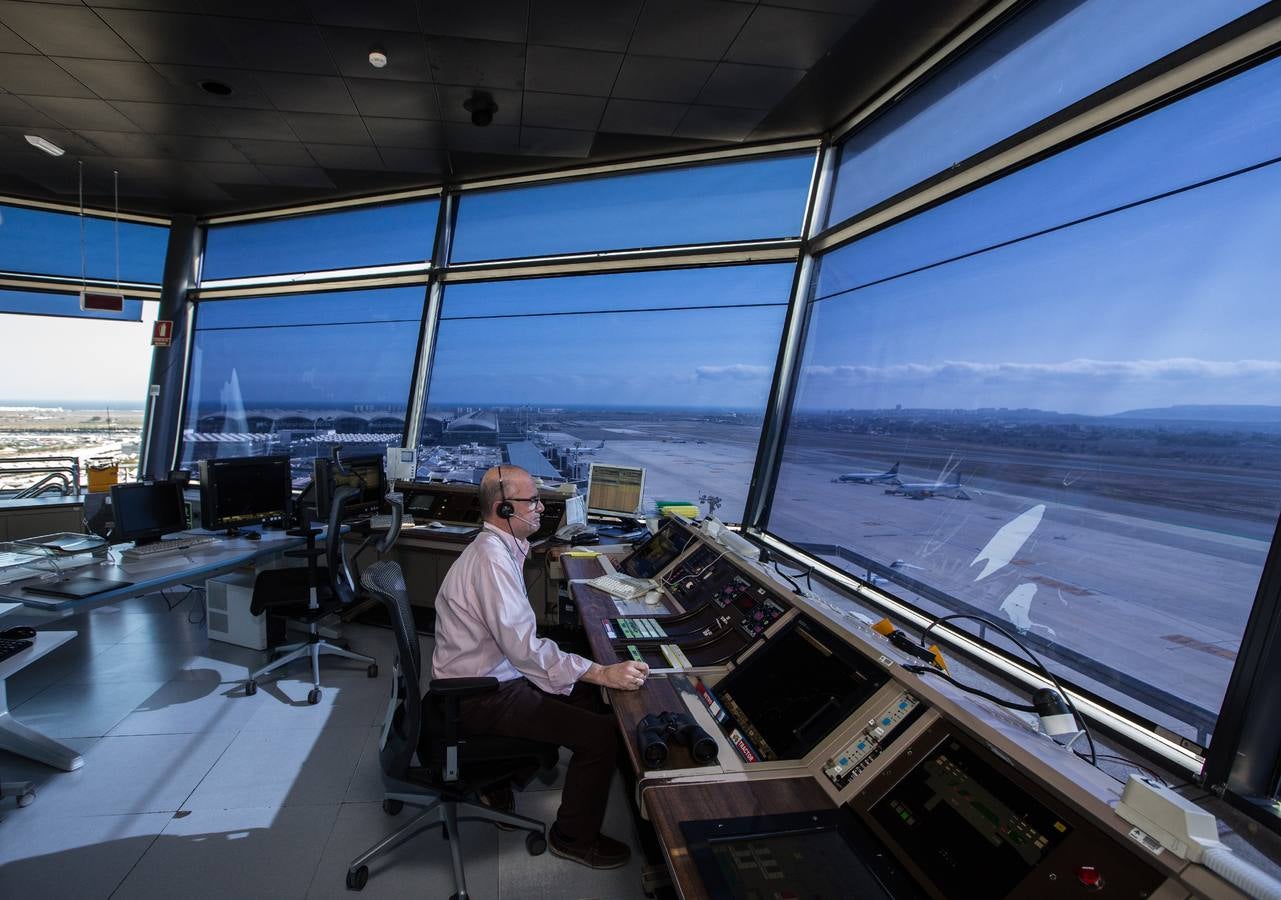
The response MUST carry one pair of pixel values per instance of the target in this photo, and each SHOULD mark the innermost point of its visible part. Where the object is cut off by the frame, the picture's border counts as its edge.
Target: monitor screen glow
(615, 490)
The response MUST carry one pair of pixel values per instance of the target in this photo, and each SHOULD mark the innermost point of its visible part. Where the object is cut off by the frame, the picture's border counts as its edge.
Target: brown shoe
(602, 853)
(501, 799)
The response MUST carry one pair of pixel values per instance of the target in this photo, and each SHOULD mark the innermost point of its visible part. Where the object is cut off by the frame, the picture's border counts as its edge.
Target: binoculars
(654, 732)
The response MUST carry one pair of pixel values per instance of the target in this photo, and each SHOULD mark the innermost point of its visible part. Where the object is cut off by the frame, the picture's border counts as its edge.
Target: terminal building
(955, 308)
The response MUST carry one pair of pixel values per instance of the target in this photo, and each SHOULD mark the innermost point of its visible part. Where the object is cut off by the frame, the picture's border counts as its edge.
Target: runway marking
(1194, 644)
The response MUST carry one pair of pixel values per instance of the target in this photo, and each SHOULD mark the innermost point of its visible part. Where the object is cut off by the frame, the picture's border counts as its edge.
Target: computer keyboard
(623, 586)
(383, 520)
(160, 548)
(10, 646)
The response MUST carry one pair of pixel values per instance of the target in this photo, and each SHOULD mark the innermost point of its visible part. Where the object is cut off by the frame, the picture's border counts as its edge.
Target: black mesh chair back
(385, 581)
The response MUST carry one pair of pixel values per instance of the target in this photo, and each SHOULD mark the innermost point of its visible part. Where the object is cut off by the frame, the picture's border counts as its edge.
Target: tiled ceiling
(117, 84)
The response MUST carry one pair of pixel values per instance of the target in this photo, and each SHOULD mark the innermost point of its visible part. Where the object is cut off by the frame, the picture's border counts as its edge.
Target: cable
(1076, 714)
(1008, 704)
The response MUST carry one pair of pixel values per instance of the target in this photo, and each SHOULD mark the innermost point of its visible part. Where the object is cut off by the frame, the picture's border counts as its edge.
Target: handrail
(65, 468)
(63, 485)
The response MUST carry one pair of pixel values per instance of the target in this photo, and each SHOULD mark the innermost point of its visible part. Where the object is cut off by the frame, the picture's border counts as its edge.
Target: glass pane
(35, 303)
(1077, 434)
(738, 201)
(619, 379)
(41, 242)
(346, 239)
(1041, 62)
(86, 400)
(301, 374)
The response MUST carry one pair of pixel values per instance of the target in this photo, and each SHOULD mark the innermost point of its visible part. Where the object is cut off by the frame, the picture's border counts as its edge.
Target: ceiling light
(377, 59)
(49, 147)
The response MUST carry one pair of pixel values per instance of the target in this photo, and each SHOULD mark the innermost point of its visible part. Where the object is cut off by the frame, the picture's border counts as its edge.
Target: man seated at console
(485, 626)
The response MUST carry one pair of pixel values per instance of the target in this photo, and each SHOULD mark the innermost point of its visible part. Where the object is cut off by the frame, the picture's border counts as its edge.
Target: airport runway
(1161, 594)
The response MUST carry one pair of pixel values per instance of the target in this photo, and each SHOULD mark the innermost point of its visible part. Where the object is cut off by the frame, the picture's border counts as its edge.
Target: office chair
(452, 767)
(309, 594)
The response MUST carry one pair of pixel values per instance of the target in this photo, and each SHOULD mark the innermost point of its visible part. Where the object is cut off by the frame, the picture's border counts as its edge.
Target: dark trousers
(577, 721)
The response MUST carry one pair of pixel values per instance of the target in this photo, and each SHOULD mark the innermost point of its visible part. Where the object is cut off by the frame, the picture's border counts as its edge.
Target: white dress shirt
(485, 625)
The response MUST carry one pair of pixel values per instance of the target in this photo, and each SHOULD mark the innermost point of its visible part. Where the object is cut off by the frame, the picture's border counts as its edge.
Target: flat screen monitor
(658, 552)
(615, 490)
(788, 696)
(144, 513)
(362, 472)
(247, 490)
(575, 510)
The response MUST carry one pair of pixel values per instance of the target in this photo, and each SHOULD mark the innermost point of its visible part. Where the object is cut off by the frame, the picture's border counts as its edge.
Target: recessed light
(377, 58)
(217, 88)
(49, 147)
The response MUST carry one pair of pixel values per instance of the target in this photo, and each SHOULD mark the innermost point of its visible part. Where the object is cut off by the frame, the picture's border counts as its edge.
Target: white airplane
(886, 477)
(923, 489)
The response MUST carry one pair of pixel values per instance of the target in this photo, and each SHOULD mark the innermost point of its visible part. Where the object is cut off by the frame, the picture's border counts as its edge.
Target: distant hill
(1217, 413)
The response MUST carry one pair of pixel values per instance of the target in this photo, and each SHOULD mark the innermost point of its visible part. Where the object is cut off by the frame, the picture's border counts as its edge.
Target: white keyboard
(623, 586)
(382, 520)
(160, 548)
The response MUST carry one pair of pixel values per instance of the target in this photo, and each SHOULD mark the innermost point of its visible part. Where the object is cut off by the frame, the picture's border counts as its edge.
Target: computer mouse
(18, 633)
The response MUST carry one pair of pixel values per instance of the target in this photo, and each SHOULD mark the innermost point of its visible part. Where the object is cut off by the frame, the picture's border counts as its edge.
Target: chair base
(313, 648)
(445, 813)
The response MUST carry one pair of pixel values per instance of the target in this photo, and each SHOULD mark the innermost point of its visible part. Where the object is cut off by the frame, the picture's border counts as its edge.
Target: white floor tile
(348, 698)
(192, 704)
(83, 710)
(131, 774)
(85, 858)
(282, 768)
(216, 854)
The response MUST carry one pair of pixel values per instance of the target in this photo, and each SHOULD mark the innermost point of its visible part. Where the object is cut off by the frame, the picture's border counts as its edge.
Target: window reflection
(667, 370)
(1086, 422)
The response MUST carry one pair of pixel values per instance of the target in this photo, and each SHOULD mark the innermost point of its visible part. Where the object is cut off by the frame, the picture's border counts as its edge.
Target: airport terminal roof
(218, 106)
(531, 459)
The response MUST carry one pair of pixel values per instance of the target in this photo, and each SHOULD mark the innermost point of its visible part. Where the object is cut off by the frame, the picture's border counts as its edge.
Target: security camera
(482, 108)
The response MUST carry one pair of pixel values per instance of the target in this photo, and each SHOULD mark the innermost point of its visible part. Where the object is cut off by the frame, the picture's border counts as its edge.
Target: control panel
(756, 605)
(879, 732)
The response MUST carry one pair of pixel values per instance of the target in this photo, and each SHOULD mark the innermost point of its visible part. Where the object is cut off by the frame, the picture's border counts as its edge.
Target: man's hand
(623, 676)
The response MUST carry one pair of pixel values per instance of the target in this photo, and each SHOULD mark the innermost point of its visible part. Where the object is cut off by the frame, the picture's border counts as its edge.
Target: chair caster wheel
(313, 696)
(251, 688)
(26, 798)
(393, 807)
(535, 843)
(357, 878)
(372, 671)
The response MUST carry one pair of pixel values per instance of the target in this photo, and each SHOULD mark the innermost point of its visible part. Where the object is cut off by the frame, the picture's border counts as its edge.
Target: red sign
(162, 333)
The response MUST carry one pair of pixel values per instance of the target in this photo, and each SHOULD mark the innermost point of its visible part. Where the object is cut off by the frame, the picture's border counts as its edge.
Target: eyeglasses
(532, 501)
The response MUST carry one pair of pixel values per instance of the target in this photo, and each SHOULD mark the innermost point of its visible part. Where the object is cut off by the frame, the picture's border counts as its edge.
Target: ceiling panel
(117, 83)
(63, 30)
(394, 99)
(24, 74)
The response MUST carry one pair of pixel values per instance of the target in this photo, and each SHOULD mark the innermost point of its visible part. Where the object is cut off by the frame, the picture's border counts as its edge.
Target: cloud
(1138, 369)
(736, 372)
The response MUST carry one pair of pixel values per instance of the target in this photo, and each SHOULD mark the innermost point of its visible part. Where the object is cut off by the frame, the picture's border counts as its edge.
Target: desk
(169, 569)
(16, 737)
(147, 576)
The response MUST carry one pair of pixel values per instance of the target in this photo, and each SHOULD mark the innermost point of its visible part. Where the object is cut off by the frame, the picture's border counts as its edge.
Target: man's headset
(505, 510)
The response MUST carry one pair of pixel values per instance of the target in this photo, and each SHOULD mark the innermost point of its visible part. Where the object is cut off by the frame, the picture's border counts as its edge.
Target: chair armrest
(462, 687)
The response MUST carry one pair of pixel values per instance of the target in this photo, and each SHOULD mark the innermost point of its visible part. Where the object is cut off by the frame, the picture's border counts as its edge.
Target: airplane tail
(893, 469)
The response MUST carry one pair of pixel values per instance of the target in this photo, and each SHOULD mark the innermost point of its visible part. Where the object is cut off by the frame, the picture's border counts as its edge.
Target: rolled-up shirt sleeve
(504, 607)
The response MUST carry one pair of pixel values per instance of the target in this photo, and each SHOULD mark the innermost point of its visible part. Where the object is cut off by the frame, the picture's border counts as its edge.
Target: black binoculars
(655, 731)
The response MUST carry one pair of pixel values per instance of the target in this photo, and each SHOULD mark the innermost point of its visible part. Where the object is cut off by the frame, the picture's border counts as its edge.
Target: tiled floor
(191, 789)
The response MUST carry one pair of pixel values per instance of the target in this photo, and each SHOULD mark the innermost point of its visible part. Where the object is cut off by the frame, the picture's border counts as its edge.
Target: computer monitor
(615, 490)
(145, 512)
(657, 552)
(363, 472)
(575, 510)
(243, 491)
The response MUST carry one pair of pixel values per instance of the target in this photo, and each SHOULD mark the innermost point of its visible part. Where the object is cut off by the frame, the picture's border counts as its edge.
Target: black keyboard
(9, 646)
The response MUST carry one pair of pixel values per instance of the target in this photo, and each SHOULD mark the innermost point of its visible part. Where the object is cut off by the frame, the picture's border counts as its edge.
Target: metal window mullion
(1042, 142)
(446, 220)
(71, 209)
(787, 365)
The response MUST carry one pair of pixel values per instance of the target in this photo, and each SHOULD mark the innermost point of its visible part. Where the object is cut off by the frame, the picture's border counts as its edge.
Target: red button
(1089, 876)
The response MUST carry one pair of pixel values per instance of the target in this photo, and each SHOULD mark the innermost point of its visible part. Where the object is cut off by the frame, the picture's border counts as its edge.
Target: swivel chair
(452, 767)
(310, 594)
